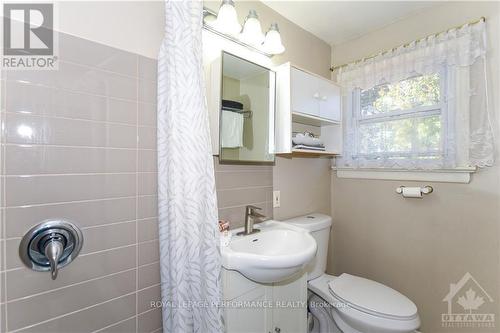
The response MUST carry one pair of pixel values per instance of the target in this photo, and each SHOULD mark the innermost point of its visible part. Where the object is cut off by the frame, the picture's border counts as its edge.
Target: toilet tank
(319, 226)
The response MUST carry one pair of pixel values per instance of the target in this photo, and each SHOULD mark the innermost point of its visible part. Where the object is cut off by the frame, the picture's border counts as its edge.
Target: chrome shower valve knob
(53, 251)
(50, 246)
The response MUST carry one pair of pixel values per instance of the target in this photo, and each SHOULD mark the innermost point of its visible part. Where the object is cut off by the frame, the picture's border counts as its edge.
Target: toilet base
(322, 316)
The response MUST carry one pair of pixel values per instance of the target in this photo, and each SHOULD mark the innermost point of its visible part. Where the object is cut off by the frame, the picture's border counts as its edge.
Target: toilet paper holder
(423, 190)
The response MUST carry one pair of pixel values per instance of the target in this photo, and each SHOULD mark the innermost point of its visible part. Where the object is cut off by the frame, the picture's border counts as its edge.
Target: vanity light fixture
(225, 24)
(252, 31)
(272, 43)
(227, 19)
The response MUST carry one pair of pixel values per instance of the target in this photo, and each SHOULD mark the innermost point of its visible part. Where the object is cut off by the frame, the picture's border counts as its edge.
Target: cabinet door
(329, 105)
(304, 93)
(249, 313)
(290, 312)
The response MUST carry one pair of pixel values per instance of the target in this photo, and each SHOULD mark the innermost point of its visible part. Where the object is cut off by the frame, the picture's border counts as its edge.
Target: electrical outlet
(276, 199)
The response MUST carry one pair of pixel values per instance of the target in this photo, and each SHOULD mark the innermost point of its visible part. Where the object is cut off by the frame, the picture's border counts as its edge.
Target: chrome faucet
(251, 217)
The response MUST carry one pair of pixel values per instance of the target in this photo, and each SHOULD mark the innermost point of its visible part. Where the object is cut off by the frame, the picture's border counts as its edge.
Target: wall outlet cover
(276, 199)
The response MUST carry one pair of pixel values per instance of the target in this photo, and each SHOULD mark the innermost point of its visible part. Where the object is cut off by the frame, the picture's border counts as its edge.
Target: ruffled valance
(457, 47)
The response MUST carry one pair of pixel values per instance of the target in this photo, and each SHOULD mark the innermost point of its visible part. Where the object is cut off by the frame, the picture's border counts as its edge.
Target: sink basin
(274, 254)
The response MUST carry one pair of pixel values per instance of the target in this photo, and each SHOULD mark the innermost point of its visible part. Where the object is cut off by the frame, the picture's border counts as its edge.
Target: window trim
(457, 175)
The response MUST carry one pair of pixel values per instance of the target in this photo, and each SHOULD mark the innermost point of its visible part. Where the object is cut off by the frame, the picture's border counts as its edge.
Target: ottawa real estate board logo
(469, 305)
(29, 41)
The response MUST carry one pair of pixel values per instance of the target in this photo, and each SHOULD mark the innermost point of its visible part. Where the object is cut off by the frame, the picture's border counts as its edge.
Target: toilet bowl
(348, 303)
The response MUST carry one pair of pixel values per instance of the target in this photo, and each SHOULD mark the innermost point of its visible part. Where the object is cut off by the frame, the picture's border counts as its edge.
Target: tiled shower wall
(79, 143)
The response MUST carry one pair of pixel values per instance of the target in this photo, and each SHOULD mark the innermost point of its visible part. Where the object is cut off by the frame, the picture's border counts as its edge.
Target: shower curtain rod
(333, 68)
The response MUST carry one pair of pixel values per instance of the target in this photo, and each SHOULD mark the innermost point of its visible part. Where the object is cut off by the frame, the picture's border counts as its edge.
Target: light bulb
(227, 19)
(252, 31)
(210, 20)
(272, 43)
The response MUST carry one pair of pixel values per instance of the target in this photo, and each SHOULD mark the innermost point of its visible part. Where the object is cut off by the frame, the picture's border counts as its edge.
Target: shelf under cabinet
(309, 153)
(306, 119)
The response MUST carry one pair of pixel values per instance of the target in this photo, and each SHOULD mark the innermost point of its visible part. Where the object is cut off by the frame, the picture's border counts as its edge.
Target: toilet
(348, 303)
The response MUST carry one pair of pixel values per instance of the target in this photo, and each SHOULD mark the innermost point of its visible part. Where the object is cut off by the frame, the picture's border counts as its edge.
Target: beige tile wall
(241, 185)
(90, 158)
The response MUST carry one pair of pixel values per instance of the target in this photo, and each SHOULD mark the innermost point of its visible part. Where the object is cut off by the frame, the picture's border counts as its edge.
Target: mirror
(247, 112)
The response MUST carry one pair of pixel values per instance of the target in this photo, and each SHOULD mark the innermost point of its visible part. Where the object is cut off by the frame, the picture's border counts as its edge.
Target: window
(401, 120)
(430, 113)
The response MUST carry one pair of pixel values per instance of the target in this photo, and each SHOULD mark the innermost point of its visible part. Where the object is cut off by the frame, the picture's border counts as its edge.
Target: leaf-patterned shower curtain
(189, 239)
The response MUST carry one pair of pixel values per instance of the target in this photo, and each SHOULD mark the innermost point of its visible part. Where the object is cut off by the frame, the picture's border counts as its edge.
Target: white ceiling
(339, 21)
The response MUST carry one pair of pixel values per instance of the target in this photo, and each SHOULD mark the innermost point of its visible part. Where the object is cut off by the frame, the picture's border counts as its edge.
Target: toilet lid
(372, 297)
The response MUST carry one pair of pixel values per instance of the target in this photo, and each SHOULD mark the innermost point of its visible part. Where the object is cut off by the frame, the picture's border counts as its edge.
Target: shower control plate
(50, 245)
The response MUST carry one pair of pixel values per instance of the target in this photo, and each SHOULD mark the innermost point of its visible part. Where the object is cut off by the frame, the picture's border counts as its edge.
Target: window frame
(440, 108)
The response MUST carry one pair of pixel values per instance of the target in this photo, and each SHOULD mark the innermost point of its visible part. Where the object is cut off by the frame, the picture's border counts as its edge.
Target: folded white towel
(307, 140)
(232, 129)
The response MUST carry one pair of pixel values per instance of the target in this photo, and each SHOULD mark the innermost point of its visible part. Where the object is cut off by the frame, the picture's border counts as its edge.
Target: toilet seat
(372, 297)
(355, 319)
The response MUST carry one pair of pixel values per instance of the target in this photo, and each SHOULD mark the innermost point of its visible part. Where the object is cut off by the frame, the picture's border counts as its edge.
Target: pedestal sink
(274, 254)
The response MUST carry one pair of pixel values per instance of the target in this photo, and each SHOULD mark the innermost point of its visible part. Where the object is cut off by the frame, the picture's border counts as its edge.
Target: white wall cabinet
(313, 95)
(306, 101)
(329, 101)
(252, 307)
(304, 92)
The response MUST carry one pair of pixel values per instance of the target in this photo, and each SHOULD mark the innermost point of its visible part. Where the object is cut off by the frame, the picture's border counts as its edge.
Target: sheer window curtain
(461, 53)
(190, 261)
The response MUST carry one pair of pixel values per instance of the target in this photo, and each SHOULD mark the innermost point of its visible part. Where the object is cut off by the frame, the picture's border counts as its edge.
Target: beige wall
(419, 247)
(304, 185)
(303, 182)
(135, 26)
